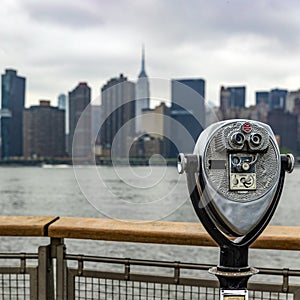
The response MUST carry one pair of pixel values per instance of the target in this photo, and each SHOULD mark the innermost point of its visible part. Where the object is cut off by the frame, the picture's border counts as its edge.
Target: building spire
(143, 58)
(143, 72)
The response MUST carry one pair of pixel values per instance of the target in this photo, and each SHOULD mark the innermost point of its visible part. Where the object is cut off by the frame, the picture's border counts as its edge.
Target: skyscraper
(44, 131)
(63, 104)
(79, 100)
(224, 99)
(232, 97)
(12, 104)
(156, 123)
(277, 99)
(292, 100)
(62, 101)
(96, 117)
(187, 113)
(118, 108)
(284, 124)
(142, 94)
(262, 97)
(154, 120)
(292, 105)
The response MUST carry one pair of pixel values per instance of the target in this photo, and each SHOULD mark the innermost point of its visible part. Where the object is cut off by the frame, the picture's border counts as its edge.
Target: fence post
(45, 274)
(59, 250)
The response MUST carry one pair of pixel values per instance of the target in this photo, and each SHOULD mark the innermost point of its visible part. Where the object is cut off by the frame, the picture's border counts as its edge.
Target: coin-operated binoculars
(235, 177)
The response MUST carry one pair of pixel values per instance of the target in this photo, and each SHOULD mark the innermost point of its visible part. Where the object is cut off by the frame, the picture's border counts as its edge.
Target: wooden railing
(53, 262)
(179, 233)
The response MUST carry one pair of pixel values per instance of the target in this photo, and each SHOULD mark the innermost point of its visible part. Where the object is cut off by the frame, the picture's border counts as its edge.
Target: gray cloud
(56, 43)
(71, 14)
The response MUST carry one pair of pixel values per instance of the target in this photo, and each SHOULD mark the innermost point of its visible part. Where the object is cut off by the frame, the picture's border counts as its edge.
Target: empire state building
(142, 94)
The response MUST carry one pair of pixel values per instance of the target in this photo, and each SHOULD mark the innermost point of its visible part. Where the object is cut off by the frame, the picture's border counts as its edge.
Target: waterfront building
(262, 97)
(12, 105)
(156, 122)
(187, 113)
(44, 131)
(292, 98)
(285, 125)
(118, 108)
(142, 94)
(255, 112)
(96, 114)
(62, 101)
(96, 111)
(277, 99)
(224, 99)
(145, 146)
(292, 105)
(79, 100)
(232, 97)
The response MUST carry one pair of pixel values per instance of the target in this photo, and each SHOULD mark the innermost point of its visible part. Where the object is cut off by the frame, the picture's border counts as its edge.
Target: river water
(144, 193)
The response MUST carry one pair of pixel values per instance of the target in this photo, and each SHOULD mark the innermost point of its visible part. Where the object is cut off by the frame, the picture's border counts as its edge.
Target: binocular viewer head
(235, 172)
(243, 137)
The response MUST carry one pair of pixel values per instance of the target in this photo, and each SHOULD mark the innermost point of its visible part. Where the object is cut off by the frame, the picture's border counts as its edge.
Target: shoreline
(99, 162)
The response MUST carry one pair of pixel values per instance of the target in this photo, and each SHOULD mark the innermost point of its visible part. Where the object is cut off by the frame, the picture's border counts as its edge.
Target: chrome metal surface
(181, 163)
(215, 271)
(242, 191)
(291, 163)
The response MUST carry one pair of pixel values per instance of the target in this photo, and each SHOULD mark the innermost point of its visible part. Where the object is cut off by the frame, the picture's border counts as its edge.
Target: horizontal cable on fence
(170, 264)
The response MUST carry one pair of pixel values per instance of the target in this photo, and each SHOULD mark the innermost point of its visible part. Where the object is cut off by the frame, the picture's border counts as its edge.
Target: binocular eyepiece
(255, 139)
(239, 139)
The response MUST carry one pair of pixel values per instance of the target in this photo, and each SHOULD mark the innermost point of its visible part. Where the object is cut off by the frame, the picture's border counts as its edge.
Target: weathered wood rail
(52, 263)
(180, 233)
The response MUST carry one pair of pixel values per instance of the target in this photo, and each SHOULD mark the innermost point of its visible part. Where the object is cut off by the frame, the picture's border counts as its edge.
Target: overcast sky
(57, 43)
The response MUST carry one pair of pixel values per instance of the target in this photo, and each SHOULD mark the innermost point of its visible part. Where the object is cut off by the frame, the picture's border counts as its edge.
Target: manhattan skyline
(57, 44)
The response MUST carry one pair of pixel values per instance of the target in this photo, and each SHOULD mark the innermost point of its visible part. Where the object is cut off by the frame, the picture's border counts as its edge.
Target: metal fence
(19, 280)
(54, 274)
(87, 283)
